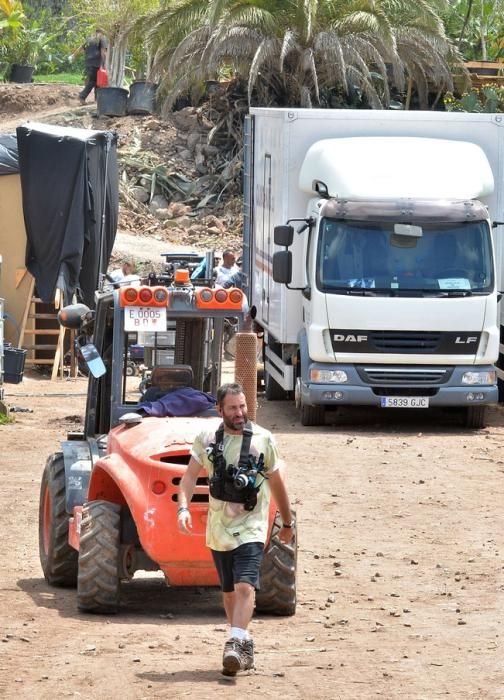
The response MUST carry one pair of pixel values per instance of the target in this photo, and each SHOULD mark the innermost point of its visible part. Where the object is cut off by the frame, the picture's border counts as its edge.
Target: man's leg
(90, 83)
(243, 605)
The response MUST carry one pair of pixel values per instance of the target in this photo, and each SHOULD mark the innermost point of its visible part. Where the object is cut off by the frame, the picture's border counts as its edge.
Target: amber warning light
(143, 296)
(230, 299)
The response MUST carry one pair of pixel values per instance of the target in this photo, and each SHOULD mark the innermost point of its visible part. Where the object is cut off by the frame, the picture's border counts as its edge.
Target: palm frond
(305, 97)
(289, 44)
(327, 47)
(308, 72)
(364, 83)
(266, 51)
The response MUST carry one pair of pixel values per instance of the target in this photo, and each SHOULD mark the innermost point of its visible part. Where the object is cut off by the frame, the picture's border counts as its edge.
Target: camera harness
(228, 481)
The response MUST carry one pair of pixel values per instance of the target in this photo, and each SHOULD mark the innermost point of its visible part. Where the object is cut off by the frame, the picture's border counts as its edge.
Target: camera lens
(241, 482)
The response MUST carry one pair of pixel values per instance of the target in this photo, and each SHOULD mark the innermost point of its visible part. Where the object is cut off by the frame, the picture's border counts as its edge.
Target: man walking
(237, 524)
(95, 56)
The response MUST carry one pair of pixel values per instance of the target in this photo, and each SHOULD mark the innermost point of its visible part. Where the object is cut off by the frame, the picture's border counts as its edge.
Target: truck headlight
(325, 376)
(479, 377)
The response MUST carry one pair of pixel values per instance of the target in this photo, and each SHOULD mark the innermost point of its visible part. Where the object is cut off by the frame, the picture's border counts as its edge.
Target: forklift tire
(278, 575)
(57, 558)
(311, 415)
(475, 417)
(130, 369)
(98, 583)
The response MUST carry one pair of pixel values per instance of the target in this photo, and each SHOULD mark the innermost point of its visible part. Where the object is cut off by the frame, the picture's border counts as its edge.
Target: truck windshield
(386, 256)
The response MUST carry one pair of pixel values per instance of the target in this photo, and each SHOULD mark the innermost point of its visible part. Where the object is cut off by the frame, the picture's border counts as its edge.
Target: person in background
(125, 274)
(236, 534)
(95, 56)
(227, 269)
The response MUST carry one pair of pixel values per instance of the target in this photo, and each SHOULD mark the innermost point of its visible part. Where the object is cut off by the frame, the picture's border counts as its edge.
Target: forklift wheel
(98, 584)
(57, 557)
(278, 575)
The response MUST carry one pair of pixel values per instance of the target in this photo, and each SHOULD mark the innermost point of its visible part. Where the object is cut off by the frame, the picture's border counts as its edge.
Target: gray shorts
(240, 565)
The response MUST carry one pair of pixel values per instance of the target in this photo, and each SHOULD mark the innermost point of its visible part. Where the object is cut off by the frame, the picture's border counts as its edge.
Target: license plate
(404, 402)
(145, 318)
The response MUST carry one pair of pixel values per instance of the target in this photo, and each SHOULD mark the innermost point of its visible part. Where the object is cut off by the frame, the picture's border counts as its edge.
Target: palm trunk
(116, 60)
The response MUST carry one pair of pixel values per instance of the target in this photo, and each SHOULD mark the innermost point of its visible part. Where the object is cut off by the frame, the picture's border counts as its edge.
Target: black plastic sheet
(9, 164)
(69, 182)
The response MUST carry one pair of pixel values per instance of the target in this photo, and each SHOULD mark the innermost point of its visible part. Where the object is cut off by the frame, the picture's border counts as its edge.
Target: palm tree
(305, 52)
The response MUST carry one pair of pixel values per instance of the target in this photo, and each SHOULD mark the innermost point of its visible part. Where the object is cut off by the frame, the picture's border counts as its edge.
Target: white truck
(371, 263)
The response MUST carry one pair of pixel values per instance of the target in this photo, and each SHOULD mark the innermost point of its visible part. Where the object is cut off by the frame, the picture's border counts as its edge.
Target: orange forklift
(108, 498)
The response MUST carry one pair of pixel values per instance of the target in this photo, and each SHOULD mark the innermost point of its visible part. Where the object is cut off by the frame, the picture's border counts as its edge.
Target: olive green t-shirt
(229, 525)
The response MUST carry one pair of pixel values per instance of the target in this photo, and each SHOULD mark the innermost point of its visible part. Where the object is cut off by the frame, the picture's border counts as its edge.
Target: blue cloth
(185, 401)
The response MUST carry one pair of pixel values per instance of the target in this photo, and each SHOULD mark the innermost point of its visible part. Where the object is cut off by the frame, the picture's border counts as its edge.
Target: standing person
(227, 269)
(236, 530)
(95, 56)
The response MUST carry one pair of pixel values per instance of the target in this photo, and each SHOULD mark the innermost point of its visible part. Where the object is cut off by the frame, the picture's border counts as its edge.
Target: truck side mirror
(282, 266)
(283, 235)
(497, 223)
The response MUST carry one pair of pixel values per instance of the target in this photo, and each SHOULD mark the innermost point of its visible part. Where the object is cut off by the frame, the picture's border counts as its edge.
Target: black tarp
(69, 183)
(9, 164)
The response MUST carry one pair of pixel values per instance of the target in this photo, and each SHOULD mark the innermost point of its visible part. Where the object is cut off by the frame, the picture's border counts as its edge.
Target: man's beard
(229, 423)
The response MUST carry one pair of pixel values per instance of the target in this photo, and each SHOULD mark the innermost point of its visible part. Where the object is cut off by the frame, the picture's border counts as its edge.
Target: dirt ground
(400, 573)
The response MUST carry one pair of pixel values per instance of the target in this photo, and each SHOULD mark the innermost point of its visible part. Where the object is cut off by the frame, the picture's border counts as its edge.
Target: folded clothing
(184, 401)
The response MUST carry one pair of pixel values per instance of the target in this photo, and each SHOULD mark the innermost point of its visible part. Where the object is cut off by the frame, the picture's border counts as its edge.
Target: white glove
(71, 58)
(184, 521)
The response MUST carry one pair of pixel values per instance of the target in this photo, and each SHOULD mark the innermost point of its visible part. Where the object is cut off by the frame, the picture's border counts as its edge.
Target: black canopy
(8, 155)
(70, 202)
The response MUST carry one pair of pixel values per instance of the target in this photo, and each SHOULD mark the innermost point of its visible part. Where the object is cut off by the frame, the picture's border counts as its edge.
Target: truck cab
(383, 292)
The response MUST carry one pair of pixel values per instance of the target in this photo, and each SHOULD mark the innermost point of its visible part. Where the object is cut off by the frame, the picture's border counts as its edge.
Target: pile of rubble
(181, 176)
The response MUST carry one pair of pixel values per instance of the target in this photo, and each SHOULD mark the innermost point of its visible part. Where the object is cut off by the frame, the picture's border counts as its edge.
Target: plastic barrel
(111, 101)
(21, 74)
(142, 97)
(14, 362)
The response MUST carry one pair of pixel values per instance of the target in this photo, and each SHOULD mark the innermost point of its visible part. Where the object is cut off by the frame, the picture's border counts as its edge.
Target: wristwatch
(289, 525)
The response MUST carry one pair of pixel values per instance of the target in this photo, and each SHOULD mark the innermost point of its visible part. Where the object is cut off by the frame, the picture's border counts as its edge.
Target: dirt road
(401, 578)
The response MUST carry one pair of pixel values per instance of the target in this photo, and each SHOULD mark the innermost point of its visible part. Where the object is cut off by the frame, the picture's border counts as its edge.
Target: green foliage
(489, 99)
(120, 20)
(292, 50)
(37, 39)
(6, 420)
(476, 27)
(68, 78)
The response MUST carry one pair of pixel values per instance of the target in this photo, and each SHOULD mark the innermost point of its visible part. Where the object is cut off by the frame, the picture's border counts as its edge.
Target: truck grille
(406, 341)
(402, 391)
(397, 376)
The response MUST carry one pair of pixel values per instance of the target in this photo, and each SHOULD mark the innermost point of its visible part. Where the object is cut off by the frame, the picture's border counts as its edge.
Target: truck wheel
(272, 389)
(278, 575)
(98, 583)
(57, 557)
(311, 415)
(475, 417)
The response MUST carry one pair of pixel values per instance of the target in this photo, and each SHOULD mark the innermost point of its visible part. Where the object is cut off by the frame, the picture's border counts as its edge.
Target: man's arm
(103, 53)
(277, 486)
(186, 490)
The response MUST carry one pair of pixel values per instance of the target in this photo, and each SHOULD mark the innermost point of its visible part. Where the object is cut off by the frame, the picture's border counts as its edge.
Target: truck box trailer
(374, 257)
